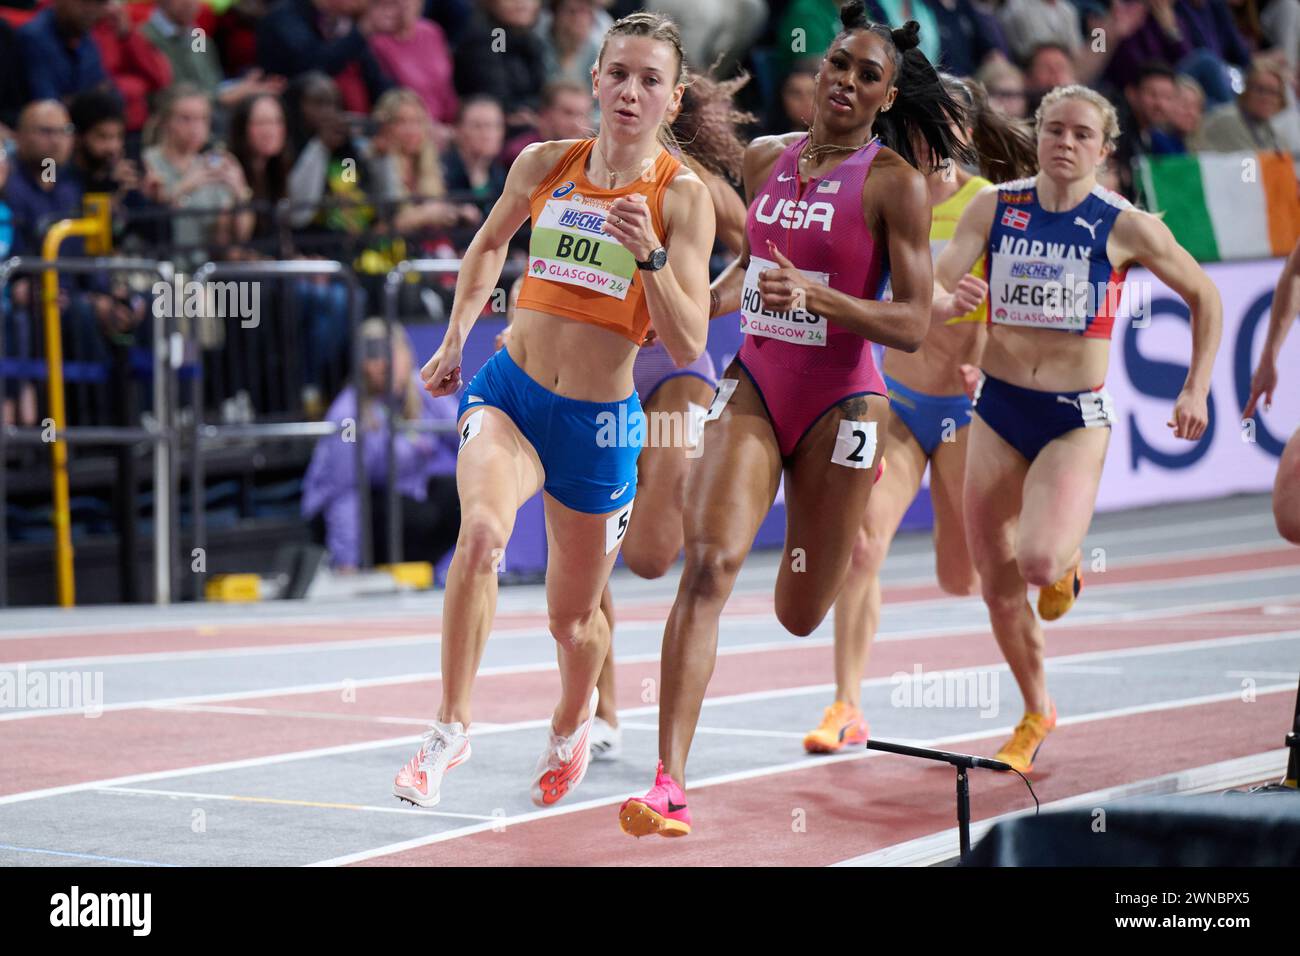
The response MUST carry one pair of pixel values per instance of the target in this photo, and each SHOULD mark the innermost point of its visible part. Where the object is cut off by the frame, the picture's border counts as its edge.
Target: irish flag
(1225, 205)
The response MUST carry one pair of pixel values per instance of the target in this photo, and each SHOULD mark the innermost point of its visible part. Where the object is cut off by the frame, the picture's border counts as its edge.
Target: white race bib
(798, 325)
(1045, 292)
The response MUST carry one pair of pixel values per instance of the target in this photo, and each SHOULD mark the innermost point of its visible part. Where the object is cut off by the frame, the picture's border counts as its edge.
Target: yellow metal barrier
(97, 231)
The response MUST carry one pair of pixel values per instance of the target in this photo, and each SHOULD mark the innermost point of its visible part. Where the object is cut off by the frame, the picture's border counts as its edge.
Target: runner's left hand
(1191, 415)
(629, 223)
(781, 287)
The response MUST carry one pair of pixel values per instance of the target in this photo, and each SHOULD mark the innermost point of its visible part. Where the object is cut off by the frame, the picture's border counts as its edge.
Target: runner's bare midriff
(570, 358)
(1045, 359)
(934, 368)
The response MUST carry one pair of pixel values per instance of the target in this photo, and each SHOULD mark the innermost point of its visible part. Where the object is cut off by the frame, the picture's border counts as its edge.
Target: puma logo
(1064, 400)
(1090, 226)
(782, 178)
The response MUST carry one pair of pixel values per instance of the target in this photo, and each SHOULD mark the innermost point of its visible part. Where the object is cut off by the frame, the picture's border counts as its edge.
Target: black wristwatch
(658, 259)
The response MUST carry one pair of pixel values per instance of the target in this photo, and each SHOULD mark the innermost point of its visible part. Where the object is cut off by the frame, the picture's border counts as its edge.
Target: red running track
(68, 749)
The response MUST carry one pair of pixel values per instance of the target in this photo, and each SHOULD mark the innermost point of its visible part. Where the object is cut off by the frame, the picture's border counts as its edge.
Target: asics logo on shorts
(620, 491)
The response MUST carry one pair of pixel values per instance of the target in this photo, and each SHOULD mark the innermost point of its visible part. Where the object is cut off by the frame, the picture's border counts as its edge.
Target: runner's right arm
(481, 266)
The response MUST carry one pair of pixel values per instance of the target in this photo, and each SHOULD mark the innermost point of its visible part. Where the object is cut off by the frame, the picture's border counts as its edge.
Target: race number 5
(616, 527)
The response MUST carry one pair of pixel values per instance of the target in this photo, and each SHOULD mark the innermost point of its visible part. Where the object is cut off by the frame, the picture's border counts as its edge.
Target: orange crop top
(575, 269)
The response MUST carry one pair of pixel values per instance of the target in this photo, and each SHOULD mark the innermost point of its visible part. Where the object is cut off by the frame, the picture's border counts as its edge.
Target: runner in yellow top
(928, 412)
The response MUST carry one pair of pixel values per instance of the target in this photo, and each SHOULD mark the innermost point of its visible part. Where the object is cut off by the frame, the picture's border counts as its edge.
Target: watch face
(659, 258)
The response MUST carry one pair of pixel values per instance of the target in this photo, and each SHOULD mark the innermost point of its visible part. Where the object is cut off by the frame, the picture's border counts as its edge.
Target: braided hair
(923, 107)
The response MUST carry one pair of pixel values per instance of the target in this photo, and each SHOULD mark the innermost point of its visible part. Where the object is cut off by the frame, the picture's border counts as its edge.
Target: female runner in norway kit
(803, 397)
(621, 236)
(1058, 248)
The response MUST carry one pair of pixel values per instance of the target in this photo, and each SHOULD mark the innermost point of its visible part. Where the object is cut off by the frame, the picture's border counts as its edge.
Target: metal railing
(207, 435)
(163, 437)
(392, 288)
(169, 348)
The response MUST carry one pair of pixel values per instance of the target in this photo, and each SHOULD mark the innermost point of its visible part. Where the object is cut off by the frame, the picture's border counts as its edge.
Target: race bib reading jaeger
(568, 245)
(1042, 291)
(797, 325)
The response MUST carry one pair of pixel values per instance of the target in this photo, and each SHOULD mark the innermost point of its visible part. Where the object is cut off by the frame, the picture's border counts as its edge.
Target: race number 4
(471, 427)
(616, 527)
(855, 445)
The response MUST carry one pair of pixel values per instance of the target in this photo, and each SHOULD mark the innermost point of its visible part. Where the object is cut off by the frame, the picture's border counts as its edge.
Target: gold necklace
(814, 153)
(615, 173)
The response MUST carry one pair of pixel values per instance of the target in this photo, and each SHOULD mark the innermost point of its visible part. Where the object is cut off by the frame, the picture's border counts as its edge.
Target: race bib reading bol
(568, 245)
(797, 325)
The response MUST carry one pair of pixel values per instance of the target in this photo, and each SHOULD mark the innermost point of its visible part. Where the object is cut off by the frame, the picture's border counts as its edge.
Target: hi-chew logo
(582, 221)
(1036, 270)
(564, 190)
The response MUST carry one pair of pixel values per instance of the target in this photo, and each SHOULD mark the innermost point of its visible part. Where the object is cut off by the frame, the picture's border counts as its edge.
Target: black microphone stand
(963, 763)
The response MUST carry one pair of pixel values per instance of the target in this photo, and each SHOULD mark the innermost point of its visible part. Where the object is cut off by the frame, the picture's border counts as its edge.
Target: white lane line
(1266, 675)
(550, 665)
(900, 608)
(721, 731)
(640, 604)
(276, 801)
(311, 714)
(1099, 589)
(742, 775)
(406, 740)
(943, 845)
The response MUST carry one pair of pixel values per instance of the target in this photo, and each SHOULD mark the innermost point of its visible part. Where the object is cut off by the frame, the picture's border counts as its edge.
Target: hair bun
(853, 15)
(908, 36)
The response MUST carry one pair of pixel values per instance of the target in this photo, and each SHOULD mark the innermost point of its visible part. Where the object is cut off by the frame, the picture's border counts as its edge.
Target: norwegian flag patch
(1015, 218)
